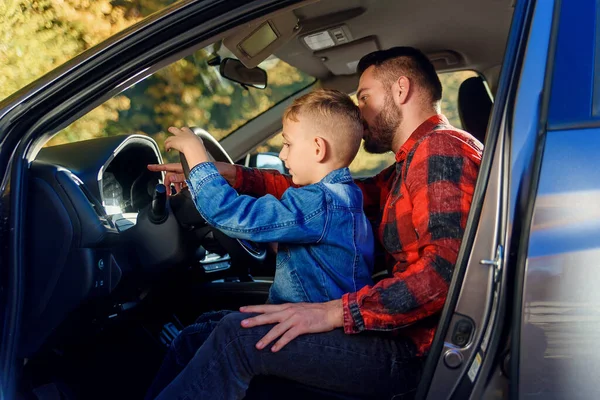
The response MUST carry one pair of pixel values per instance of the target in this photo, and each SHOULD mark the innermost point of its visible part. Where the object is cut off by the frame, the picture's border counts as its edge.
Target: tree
(38, 35)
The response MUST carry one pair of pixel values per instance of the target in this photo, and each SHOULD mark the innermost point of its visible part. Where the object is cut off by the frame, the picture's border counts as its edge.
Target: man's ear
(401, 90)
(320, 148)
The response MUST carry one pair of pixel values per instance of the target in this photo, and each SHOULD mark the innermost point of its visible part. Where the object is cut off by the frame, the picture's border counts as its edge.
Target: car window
(189, 92)
(366, 164)
(38, 36)
(575, 101)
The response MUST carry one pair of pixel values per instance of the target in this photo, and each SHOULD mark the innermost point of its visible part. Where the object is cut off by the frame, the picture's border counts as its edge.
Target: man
(372, 342)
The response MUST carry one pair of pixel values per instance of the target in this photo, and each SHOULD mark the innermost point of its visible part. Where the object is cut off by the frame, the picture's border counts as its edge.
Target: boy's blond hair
(336, 118)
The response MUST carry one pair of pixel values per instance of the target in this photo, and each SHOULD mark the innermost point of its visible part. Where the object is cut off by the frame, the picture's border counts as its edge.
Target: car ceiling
(475, 30)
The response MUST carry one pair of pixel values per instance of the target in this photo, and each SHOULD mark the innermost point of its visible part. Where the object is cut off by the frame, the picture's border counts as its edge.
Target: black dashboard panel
(125, 157)
(74, 249)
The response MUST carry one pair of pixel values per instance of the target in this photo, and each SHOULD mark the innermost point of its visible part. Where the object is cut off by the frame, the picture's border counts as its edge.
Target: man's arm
(299, 216)
(440, 181)
(259, 182)
(251, 181)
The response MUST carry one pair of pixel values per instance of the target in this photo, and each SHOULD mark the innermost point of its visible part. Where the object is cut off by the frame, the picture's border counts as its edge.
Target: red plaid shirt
(418, 208)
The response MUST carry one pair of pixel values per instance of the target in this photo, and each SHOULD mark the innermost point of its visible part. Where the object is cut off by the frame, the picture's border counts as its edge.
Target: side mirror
(267, 161)
(234, 70)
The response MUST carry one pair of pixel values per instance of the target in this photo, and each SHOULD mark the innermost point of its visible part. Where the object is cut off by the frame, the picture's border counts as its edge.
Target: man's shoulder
(448, 141)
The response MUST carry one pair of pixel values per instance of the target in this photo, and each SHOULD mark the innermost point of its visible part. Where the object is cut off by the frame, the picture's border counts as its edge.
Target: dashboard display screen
(112, 194)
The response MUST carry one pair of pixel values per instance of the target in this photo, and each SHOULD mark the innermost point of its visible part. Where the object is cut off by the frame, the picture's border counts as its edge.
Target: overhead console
(335, 37)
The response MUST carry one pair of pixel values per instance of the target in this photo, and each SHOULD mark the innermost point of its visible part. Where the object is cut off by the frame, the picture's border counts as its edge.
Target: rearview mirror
(267, 160)
(234, 70)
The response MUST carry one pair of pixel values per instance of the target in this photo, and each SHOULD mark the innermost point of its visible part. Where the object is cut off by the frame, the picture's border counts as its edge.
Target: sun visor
(258, 40)
(343, 59)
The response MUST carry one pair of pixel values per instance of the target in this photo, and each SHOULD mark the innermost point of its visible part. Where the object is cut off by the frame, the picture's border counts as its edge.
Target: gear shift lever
(158, 212)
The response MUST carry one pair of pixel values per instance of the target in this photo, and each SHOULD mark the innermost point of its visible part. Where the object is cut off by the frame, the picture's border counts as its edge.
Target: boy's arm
(299, 217)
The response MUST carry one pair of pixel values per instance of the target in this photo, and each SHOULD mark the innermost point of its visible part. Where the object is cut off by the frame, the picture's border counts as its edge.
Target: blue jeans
(220, 364)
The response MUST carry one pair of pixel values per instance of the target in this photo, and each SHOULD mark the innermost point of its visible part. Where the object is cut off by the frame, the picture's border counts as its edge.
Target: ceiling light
(318, 41)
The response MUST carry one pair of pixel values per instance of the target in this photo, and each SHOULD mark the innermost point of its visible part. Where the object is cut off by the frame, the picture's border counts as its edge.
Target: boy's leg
(182, 349)
(360, 365)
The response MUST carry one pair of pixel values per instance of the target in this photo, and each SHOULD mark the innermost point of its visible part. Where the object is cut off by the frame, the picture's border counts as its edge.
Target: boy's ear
(320, 148)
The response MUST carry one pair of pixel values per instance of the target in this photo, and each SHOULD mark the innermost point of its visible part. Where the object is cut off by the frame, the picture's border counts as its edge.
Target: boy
(325, 242)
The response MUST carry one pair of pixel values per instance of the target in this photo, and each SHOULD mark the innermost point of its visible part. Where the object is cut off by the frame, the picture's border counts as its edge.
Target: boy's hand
(186, 142)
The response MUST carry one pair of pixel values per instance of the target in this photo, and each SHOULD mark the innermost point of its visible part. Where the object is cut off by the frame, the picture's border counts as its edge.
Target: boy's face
(298, 151)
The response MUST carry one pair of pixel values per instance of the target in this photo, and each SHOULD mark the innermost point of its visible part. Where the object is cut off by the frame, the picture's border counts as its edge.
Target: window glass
(188, 92)
(575, 89)
(38, 36)
(366, 164)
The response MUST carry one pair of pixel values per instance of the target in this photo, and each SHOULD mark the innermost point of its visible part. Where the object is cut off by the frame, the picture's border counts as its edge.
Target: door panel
(560, 308)
(480, 286)
(561, 300)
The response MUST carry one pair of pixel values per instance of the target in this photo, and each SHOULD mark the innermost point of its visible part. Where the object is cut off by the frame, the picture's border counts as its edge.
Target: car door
(557, 313)
(468, 357)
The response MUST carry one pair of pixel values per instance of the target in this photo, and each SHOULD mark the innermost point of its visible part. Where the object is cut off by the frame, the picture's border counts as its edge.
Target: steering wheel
(239, 249)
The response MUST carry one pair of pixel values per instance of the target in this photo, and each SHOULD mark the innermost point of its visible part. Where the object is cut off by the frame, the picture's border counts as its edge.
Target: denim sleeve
(299, 217)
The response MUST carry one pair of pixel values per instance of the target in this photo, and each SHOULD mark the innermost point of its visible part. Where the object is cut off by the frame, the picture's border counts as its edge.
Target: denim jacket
(326, 245)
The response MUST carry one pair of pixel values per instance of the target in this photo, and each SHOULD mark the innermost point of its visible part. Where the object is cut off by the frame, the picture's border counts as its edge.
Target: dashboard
(84, 200)
(100, 235)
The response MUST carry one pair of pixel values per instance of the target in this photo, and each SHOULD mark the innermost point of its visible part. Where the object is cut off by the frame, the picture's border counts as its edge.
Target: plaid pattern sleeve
(422, 224)
(372, 196)
(259, 182)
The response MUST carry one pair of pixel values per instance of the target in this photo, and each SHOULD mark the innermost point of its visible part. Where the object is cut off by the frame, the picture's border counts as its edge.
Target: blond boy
(325, 240)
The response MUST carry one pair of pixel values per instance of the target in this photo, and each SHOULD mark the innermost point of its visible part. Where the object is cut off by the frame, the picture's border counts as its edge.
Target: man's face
(381, 116)
(297, 151)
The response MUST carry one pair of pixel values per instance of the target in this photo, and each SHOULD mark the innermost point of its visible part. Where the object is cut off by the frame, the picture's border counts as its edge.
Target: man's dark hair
(397, 61)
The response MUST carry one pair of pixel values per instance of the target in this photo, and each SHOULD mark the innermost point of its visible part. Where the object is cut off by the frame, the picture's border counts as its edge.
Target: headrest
(474, 107)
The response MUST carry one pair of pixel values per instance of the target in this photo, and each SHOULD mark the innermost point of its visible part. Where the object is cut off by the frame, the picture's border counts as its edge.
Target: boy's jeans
(221, 364)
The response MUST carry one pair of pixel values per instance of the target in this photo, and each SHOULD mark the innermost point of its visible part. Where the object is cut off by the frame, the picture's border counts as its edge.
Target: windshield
(188, 92)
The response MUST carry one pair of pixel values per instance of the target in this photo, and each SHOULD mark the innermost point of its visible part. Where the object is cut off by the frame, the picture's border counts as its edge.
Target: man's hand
(294, 320)
(174, 173)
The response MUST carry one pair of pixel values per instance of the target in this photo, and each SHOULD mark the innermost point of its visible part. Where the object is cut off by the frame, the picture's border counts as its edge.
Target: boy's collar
(341, 175)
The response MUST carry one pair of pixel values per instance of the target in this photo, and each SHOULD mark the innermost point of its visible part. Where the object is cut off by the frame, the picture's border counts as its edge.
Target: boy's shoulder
(343, 194)
(306, 192)
(346, 193)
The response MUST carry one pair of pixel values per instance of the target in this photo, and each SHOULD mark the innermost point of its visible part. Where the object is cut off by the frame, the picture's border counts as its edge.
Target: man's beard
(380, 135)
